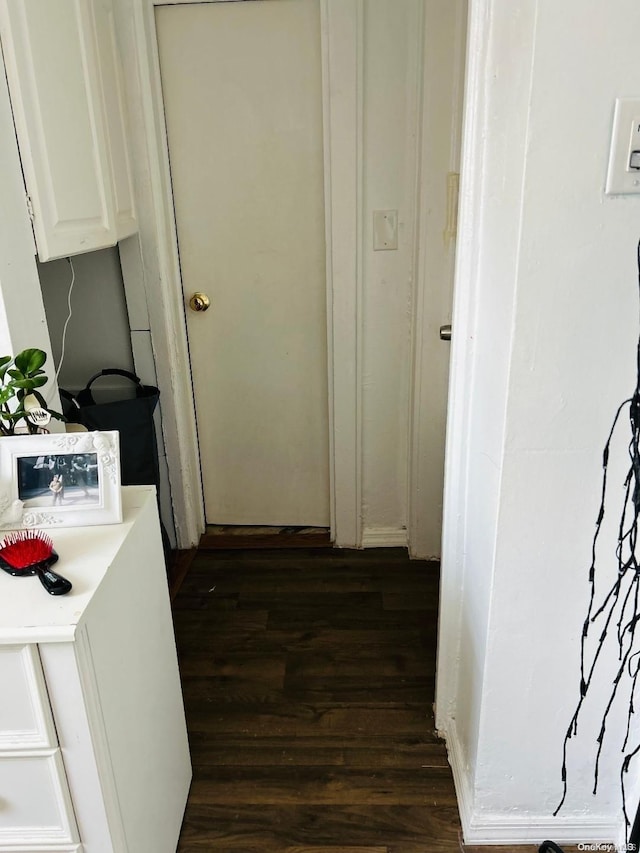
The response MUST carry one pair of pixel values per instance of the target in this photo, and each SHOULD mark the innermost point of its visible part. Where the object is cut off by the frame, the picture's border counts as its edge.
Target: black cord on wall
(617, 609)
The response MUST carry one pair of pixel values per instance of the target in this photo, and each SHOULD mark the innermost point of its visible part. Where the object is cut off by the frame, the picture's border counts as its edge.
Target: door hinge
(30, 208)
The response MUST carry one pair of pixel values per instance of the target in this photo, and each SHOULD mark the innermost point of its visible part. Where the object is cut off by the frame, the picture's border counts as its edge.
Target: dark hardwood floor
(308, 679)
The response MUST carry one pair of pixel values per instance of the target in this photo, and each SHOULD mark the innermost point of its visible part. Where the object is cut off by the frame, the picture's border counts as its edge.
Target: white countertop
(29, 614)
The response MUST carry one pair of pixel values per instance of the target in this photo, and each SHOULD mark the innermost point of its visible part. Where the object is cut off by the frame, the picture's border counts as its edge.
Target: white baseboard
(461, 780)
(487, 828)
(384, 537)
(534, 829)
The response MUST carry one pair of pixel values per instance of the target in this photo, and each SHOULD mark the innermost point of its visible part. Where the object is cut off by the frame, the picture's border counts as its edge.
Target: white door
(242, 88)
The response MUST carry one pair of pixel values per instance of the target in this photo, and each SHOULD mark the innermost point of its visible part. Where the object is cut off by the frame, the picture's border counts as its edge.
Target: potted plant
(22, 406)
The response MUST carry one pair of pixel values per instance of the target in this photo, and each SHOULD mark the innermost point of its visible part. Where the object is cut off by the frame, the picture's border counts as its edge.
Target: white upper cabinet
(110, 66)
(66, 92)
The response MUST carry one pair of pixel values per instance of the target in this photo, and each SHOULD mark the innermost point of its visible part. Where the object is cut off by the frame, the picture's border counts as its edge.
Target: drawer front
(35, 806)
(38, 848)
(25, 714)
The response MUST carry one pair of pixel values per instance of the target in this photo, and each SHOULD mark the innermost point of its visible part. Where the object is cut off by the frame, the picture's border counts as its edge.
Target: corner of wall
(485, 827)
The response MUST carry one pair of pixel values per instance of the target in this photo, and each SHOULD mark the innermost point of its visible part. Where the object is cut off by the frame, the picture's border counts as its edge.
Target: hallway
(308, 678)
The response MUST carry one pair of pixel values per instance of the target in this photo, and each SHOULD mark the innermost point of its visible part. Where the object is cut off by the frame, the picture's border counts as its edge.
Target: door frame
(151, 269)
(151, 266)
(427, 285)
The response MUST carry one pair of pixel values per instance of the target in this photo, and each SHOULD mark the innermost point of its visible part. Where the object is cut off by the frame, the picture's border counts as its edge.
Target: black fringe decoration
(619, 606)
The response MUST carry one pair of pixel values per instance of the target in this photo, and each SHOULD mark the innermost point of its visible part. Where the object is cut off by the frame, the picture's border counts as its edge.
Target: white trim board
(342, 33)
(150, 264)
(462, 362)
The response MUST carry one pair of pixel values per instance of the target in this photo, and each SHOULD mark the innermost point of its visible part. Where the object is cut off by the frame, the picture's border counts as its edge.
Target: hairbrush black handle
(54, 583)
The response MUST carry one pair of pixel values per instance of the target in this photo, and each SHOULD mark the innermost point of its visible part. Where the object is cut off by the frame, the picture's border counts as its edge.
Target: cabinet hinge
(30, 208)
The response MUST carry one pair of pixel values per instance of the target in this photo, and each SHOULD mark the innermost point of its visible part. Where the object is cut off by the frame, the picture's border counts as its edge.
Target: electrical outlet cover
(625, 139)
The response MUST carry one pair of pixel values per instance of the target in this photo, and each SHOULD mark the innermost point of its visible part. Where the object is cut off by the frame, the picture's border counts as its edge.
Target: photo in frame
(60, 480)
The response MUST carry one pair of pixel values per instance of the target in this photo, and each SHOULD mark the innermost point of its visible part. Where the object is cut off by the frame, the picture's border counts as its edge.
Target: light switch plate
(385, 230)
(621, 179)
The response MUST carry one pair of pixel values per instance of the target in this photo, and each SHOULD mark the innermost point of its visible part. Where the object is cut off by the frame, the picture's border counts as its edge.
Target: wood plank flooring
(308, 678)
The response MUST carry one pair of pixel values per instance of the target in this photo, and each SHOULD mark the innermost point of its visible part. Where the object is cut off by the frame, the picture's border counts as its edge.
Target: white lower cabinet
(25, 714)
(93, 746)
(35, 806)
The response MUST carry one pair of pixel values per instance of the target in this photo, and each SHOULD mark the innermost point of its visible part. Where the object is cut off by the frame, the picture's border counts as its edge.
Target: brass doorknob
(199, 302)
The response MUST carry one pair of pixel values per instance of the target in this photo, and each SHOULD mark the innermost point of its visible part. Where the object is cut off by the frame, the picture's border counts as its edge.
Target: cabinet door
(36, 807)
(57, 91)
(25, 714)
(115, 116)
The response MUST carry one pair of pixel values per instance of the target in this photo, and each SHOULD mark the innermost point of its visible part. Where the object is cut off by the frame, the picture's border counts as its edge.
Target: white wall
(546, 312)
(98, 333)
(103, 332)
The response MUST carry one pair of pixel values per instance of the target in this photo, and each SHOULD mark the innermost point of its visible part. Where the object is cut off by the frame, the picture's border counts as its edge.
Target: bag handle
(113, 371)
(85, 397)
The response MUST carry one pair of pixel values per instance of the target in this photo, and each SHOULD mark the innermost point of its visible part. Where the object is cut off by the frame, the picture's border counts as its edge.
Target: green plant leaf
(30, 360)
(19, 379)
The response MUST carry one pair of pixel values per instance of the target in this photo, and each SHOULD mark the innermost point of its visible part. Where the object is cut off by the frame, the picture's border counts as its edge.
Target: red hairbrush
(28, 552)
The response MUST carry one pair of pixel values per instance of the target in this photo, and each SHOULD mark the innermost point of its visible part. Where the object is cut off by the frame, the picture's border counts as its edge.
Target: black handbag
(132, 418)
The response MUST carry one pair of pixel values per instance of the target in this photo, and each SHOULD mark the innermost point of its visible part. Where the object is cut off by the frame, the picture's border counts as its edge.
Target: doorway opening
(382, 322)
